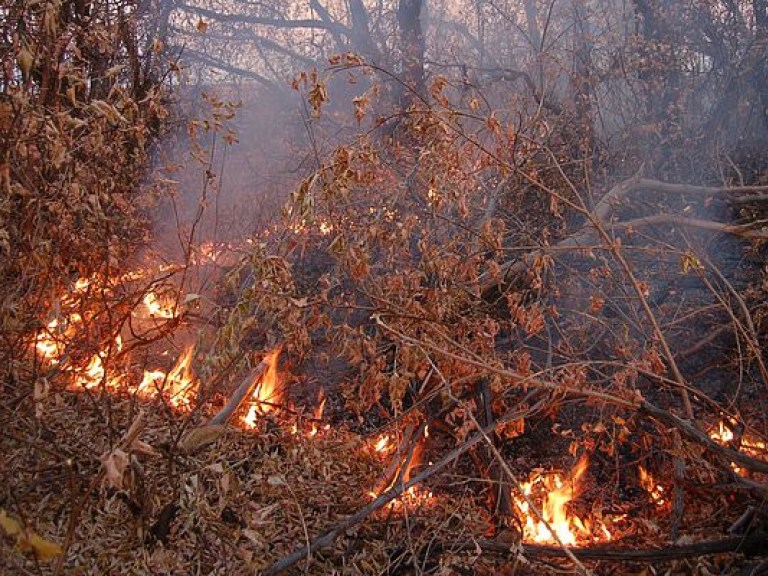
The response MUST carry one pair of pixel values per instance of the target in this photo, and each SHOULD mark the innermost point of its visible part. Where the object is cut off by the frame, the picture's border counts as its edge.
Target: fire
(318, 417)
(416, 495)
(267, 393)
(751, 446)
(159, 306)
(721, 433)
(179, 385)
(48, 345)
(653, 488)
(553, 492)
(383, 444)
(95, 373)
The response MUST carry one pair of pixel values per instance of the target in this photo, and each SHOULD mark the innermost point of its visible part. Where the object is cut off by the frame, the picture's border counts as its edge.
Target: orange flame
(267, 393)
(179, 385)
(159, 306)
(755, 447)
(653, 488)
(416, 495)
(555, 493)
(383, 444)
(95, 372)
(48, 345)
(318, 417)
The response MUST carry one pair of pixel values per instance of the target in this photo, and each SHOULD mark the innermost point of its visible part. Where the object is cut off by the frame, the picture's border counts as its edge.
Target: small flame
(416, 495)
(721, 433)
(95, 372)
(159, 306)
(755, 447)
(267, 393)
(48, 346)
(179, 385)
(318, 417)
(653, 488)
(555, 493)
(82, 284)
(383, 444)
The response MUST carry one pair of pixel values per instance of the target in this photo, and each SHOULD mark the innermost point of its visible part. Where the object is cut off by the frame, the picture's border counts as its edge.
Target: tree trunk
(409, 14)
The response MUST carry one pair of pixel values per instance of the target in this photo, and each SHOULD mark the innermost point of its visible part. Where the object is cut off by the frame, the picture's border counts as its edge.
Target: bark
(412, 48)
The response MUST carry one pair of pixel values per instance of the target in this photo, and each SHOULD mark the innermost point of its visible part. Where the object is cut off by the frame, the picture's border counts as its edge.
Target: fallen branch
(327, 538)
(208, 433)
(240, 394)
(633, 404)
(754, 544)
(693, 433)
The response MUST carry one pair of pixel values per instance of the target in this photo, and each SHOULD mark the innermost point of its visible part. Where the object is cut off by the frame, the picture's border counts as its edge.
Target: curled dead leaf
(201, 437)
(114, 463)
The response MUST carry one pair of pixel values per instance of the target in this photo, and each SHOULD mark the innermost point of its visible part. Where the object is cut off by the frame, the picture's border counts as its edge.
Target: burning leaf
(27, 540)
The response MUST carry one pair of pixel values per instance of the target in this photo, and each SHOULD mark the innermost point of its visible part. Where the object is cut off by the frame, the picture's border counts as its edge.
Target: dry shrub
(76, 130)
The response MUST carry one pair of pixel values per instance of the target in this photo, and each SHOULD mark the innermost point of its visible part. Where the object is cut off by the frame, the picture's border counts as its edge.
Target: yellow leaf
(27, 540)
(44, 549)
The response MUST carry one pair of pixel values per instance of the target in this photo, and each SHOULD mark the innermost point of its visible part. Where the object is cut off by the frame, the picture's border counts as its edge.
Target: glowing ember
(552, 493)
(267, 393)
(414, 497)
(179, 386)
(649, 484)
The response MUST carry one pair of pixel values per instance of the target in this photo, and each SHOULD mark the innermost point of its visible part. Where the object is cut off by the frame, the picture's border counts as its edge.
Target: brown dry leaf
(114, 462)
(27, 540)
(141, 447)
(201, 437)
(202, 26)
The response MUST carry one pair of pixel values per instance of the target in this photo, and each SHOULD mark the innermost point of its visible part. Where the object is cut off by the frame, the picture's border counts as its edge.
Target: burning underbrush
(489, 413)
(170, 488)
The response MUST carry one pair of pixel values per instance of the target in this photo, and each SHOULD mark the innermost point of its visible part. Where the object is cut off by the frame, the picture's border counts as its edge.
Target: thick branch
(752, 544)
(307, 23)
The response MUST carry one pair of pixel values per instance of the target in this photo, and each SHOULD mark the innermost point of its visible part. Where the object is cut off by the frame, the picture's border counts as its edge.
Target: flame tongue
(179, 385)
(557, 494)
(267, 393)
